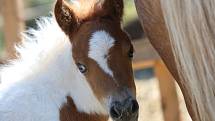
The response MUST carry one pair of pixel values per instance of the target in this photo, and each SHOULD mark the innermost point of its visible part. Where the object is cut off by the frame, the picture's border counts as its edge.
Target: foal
(75, 67)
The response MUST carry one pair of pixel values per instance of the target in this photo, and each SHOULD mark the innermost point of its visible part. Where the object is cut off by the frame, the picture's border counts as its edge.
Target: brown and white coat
(77, 65)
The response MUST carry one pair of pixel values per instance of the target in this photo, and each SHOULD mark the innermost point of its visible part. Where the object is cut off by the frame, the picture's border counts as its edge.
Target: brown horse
(183, 33)
(75, 67)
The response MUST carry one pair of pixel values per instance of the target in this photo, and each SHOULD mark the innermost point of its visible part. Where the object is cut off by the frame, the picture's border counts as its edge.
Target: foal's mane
(37, 48)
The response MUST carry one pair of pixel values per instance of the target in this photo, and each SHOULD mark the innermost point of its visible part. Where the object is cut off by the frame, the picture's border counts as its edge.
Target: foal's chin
(127, 118)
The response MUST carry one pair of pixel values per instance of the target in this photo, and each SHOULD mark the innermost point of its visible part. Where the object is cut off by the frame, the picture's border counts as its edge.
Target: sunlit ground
(148, 96)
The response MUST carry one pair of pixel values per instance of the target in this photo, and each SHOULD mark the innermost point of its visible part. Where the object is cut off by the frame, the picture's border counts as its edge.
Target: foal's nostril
(134, 106)
(115, 112)
(126, 108)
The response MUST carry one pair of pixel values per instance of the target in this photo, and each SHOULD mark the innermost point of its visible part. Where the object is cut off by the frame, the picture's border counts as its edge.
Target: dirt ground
(148, 96)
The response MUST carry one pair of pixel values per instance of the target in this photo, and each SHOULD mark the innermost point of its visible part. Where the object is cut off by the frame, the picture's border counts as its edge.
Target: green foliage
(129, 11)
(43, 8)
(32, 3)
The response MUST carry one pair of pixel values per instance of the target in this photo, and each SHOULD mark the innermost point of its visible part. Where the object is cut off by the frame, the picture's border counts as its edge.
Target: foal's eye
(131, 54)
(82, 68)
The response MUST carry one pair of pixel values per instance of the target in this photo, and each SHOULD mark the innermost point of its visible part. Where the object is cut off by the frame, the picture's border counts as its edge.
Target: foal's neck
(69, 112)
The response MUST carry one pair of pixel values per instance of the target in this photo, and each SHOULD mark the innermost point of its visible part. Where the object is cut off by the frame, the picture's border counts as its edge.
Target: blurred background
(159, 96)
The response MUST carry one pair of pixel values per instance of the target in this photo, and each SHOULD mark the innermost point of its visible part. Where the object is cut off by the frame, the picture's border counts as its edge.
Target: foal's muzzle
(126, 110)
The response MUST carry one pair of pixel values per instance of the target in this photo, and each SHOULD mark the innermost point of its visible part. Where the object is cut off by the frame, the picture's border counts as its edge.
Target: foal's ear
(65, 17)
(113, 9)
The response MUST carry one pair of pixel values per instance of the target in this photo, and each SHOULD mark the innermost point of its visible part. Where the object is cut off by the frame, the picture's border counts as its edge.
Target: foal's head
(102, 52)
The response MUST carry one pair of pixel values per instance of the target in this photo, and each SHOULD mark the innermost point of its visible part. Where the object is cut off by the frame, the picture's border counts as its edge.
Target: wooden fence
(146, 57)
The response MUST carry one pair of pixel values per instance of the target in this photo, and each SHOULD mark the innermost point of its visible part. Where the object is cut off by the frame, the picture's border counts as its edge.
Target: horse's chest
(69, 113)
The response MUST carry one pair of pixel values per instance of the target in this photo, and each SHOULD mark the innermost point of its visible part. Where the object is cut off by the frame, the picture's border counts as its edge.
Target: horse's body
(182, 32)
(73, 68)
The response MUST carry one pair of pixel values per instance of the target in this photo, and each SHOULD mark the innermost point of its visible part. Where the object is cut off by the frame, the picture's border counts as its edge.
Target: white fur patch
(99, 46)
(34, 87)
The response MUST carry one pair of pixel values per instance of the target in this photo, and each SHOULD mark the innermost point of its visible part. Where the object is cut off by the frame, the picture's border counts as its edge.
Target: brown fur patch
(65, 17)
(69, 112)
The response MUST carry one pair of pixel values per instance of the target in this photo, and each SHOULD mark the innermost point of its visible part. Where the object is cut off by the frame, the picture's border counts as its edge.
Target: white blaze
(99, 46)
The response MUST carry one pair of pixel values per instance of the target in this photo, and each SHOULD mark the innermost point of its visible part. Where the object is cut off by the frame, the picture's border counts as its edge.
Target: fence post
(13, 18)
(169, 99)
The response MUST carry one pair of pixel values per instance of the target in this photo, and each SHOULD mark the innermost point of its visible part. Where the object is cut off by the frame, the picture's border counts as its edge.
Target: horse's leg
(151, 17)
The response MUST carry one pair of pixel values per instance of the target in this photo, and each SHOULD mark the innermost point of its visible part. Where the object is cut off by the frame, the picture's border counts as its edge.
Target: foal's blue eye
(82, 68)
